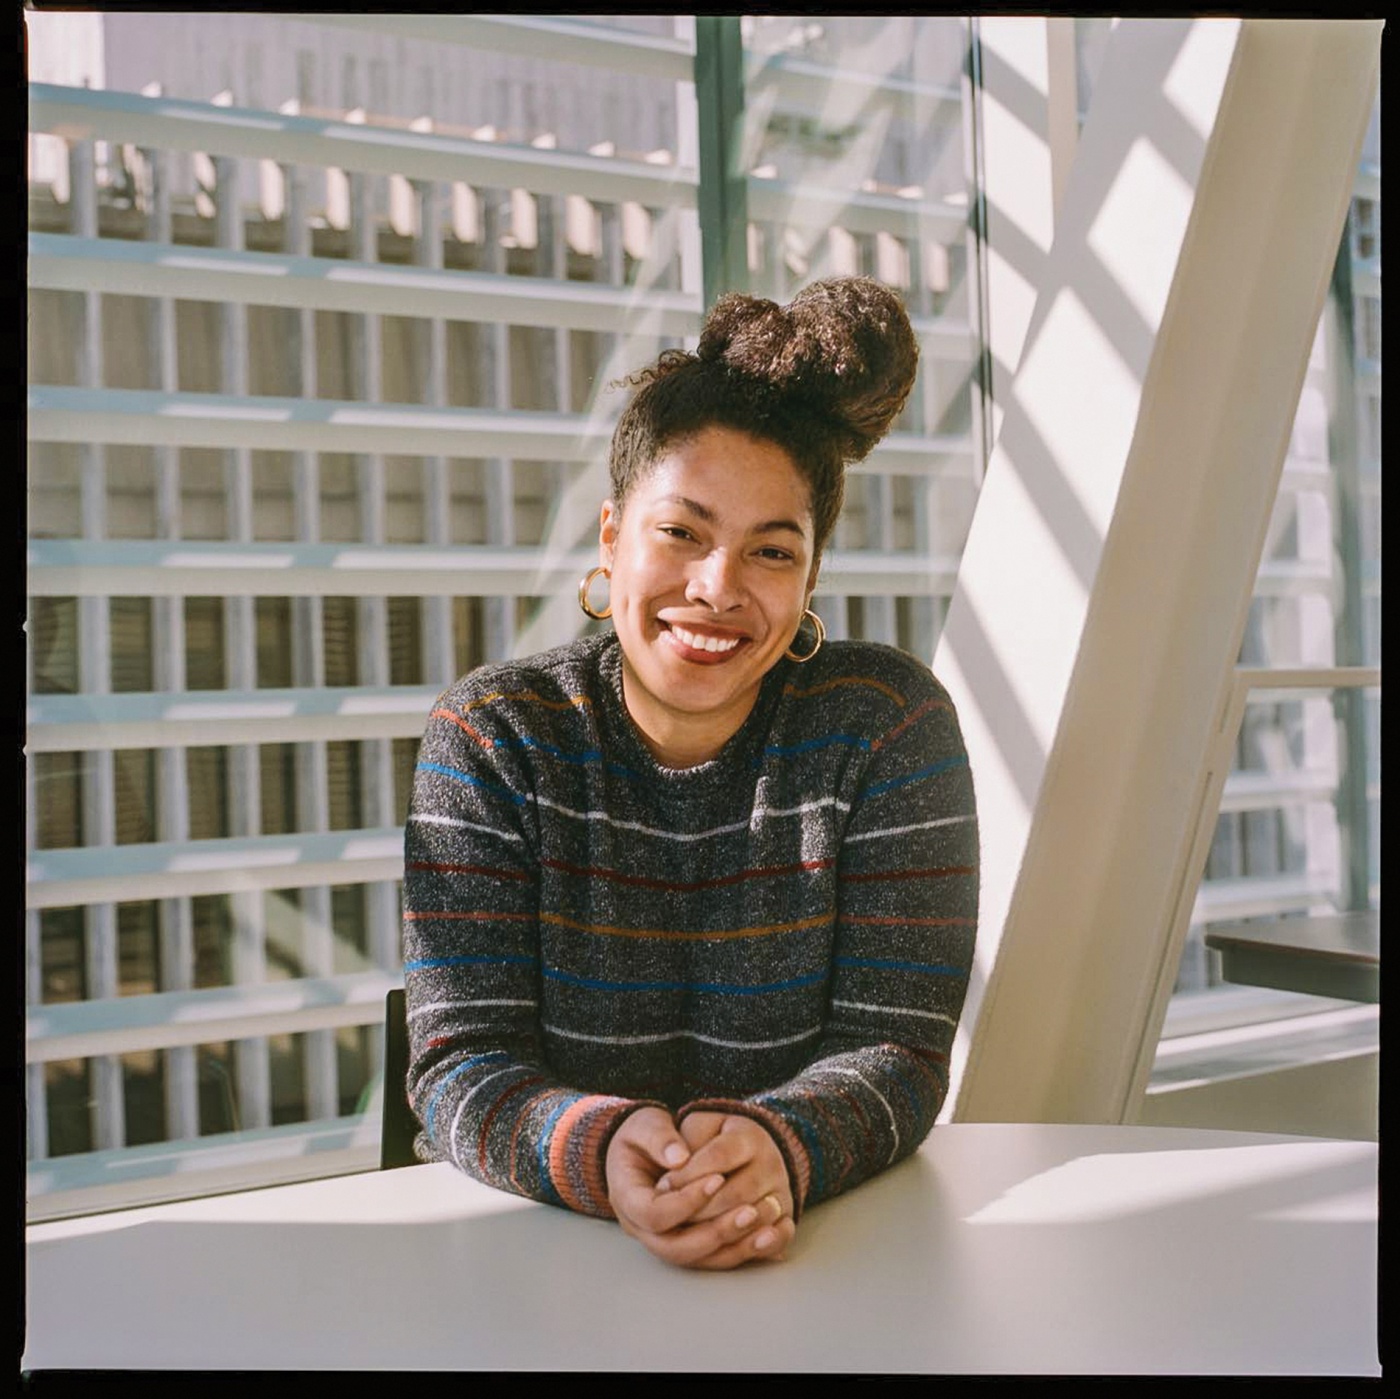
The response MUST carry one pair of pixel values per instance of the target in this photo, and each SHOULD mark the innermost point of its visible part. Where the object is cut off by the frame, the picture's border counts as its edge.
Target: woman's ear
(609, 519)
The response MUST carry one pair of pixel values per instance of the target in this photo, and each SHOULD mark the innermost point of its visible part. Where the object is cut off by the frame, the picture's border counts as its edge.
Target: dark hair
(822, 378)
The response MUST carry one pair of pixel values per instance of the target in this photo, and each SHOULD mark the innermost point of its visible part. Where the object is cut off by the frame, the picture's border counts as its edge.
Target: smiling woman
(711, 568)
(689, 908)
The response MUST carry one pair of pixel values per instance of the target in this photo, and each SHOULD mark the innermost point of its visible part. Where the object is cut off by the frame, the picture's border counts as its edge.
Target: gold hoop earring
(819, 627)
(583, 588)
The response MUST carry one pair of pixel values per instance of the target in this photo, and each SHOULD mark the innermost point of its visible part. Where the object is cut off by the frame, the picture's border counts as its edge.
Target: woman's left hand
(755, 1178)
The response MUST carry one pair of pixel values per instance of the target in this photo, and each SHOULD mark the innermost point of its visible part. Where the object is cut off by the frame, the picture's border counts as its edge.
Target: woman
(689, 906)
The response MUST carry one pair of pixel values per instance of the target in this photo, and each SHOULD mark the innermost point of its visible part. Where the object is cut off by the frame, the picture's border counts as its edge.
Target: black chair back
(399, 1126)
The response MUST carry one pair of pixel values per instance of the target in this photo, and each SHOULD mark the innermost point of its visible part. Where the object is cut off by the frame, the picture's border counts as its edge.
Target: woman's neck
(677, 739)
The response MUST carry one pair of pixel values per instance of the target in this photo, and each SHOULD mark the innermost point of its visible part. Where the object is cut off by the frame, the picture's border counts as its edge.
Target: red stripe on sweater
(943, 873)
(438, 867)
(491, 1117)
(911, 718)
(466, 728)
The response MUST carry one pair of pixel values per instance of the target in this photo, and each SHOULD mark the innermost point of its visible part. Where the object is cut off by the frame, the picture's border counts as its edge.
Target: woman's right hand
(642, 1150)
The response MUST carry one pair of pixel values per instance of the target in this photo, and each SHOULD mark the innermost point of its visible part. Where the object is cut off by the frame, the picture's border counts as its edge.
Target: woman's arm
(906, 920)
(478, 1080)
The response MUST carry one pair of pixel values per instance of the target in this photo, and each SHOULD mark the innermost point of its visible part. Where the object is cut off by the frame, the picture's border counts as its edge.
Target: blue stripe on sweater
(932, 770)
(471, 781)
(542, 1150)
(812, 744)
(589, 755)
(427, 963)
(911, 1093)
(718, 988)
(496, 1056)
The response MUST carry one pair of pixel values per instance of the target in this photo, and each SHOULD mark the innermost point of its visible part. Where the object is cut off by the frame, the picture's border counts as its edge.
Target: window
(213, 721)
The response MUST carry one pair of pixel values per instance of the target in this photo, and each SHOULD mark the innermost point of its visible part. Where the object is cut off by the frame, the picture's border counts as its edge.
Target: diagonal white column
(1107, 575)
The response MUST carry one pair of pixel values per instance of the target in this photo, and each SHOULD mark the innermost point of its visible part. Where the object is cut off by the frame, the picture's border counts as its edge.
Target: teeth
(705, 643)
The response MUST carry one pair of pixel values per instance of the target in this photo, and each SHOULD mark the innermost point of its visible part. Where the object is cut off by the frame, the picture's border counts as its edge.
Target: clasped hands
(711, 1193)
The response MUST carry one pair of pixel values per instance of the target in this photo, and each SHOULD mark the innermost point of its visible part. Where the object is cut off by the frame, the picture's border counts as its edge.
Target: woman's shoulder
(549, 683)
(861, 696)
(862, 672)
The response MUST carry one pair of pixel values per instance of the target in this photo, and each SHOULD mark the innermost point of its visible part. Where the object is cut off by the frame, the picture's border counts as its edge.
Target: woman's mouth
(704, 643)
(708, 644)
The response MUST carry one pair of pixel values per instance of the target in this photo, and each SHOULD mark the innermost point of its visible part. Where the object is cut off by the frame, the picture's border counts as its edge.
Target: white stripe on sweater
(896, 1010)
(904, 830)
(682, 1035)
(884, 1102)
(759, 812)
(429, 819)
(462, 1107)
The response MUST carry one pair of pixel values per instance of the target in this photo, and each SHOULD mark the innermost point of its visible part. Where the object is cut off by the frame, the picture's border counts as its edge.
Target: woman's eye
(676, 531)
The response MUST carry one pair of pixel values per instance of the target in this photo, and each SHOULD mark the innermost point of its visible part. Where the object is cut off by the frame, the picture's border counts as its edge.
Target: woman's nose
(716, 581)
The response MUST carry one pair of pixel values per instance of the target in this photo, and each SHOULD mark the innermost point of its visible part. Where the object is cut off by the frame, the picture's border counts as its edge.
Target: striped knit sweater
(784, 931)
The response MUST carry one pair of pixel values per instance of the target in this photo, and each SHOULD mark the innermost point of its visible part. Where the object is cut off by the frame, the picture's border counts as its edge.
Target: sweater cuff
(578, 1150)
(794, 1154)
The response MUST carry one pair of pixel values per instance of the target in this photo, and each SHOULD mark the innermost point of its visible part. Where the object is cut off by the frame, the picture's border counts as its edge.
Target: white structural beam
(1107, 575)
(1265, 896)
(89, 723)
(171, 124)
(61, 262)
(905, 216)
(149, 418)
(197, 568)
(165, 870)
(167, 123)
(818, 90)
(167, 1019)
(802, 85)
(556, 38)
(139, 417)
(58, 262)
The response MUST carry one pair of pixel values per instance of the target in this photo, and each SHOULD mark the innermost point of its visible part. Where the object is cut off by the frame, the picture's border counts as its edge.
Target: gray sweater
(784, 931)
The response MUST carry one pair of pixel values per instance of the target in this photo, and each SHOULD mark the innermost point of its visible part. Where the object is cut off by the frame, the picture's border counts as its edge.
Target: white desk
(997, 1249)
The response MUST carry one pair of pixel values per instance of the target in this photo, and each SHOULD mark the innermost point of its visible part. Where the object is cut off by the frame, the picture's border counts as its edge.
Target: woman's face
(711, 568)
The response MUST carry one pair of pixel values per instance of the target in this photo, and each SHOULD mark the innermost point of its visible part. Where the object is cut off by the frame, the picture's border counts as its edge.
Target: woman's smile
(711, 646)
(711, 566)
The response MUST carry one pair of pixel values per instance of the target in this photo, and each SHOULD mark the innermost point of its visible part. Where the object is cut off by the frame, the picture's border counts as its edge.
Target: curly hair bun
(843, 347)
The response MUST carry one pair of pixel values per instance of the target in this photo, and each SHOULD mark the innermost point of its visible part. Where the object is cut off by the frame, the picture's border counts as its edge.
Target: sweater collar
(622, 738)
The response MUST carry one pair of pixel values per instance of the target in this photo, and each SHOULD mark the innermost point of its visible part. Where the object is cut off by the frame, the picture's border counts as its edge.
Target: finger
(753, 1185)
(725, 1152)
(652, 1131)
(767, 1245)
(687, 1245)
(699, 1127)
(645, 1211)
